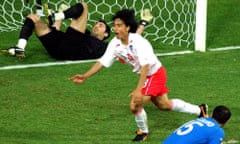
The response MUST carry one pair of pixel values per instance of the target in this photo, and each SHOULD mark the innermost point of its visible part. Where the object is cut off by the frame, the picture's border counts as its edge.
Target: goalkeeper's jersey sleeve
(199, 131)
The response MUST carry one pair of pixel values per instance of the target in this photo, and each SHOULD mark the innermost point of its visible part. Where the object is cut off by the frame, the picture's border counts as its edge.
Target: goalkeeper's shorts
(52, 41)
(69, 45)
(72, 45)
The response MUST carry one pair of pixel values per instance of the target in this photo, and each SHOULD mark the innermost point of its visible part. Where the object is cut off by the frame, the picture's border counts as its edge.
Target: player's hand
(78, 79)
(146, 16)
(137, 98)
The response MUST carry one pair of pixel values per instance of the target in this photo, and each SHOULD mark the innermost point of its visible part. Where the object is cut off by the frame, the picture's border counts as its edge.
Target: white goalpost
(179, 23)
(200, 28)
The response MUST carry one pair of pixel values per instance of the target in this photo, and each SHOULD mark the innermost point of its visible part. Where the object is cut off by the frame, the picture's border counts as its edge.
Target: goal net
(173, 23)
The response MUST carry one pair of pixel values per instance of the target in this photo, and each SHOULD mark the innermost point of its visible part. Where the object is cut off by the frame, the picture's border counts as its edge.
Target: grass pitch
(41, 106)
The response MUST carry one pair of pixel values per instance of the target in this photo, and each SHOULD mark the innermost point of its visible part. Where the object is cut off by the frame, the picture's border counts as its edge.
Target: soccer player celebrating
(202, 130)
(132, 49)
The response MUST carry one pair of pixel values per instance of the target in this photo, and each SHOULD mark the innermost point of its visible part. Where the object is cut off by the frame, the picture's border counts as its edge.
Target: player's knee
(33, 17)
(163, 105)
(85, 6)
(135, 108)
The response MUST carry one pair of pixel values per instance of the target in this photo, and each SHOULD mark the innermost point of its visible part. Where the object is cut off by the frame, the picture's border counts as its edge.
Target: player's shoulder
(135, 35)
(115, 40)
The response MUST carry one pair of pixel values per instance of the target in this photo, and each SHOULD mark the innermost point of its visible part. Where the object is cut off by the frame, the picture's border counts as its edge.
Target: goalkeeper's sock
(22, 43)
(25, 33)
(74, 11)
(59, 16)
(27, 29)
(39, 12)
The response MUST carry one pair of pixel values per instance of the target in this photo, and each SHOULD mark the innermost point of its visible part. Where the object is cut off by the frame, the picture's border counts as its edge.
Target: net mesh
(173, 23)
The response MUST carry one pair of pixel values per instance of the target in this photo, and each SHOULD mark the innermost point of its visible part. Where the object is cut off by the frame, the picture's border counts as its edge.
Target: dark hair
(108, 30)
(128, 17)
(221, 114)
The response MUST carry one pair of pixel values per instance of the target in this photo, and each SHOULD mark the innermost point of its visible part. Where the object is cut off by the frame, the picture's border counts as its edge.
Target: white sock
(182, 106)
(59, 16)
(141, 120)
(22, 43)
(39, 12)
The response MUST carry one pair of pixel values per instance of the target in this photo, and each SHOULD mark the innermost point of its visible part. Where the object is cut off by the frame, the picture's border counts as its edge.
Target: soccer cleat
(14, 51)
(204, 110)
(140, 136)
(49, 14)
(62, 7)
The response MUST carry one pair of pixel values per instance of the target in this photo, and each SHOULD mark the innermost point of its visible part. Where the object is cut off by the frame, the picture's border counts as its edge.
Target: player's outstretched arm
(80, 78)
(146, 18)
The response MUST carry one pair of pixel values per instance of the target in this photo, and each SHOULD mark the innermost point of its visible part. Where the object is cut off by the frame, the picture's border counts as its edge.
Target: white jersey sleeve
(109, 57)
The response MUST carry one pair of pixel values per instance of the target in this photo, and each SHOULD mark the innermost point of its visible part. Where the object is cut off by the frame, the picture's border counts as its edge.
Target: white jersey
(137, 53)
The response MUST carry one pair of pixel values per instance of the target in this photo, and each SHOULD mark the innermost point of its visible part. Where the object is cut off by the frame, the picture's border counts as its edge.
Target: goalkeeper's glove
(146, 17)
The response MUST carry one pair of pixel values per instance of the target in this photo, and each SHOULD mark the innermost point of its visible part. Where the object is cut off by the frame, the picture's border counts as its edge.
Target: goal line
(87, 61)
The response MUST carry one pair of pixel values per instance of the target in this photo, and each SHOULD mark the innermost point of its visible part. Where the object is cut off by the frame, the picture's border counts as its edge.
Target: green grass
(40, 105)
(222, 23)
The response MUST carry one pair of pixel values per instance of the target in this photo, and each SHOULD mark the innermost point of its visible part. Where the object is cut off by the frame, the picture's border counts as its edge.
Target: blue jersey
(199, 131)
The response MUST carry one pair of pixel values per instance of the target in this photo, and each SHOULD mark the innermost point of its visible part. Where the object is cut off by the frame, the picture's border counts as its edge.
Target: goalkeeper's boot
(140, 137)
(204, 110)
(14, 51)
(62, 7)
(49, 14)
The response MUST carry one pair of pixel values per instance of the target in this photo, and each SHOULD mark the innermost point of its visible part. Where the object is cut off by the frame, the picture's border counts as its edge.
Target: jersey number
(188, 128)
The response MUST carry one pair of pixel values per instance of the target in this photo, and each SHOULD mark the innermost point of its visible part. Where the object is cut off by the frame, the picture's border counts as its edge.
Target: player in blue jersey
(202, 130)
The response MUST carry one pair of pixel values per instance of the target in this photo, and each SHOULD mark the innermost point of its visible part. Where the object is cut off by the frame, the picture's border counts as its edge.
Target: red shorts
(155, 85)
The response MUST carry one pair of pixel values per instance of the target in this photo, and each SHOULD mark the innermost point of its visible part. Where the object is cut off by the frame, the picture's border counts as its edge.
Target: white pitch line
(174, 53)
(74, 62)
(86, 61)
(230, 142)
(44, 64)
(225, 48)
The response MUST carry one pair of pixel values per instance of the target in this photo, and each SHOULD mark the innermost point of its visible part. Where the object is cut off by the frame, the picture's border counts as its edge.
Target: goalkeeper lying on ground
(77, 43)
